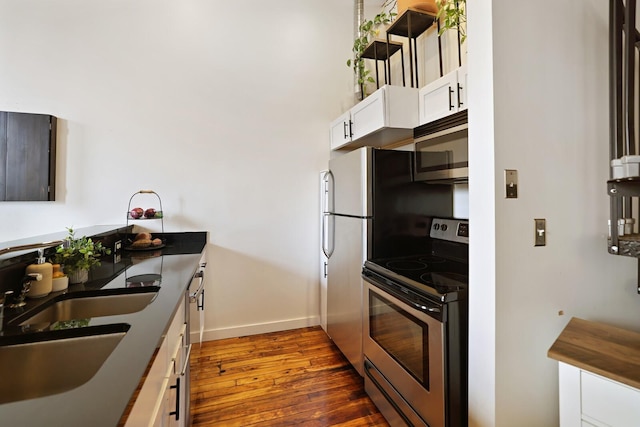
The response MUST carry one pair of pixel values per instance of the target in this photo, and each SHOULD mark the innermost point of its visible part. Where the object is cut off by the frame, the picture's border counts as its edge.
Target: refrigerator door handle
(328, 190)
(325, 248)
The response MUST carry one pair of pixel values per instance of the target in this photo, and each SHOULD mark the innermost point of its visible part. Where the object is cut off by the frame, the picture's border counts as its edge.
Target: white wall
(220, 106)
(538, 77)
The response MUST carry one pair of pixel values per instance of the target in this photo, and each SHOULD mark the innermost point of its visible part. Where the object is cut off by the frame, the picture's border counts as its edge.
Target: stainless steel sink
(72, 307)
(43, 364)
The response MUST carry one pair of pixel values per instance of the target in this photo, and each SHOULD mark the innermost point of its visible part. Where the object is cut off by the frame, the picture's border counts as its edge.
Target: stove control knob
(436, 226)
(444, 227)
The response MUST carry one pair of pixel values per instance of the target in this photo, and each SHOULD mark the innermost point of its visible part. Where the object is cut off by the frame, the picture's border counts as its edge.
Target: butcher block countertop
(605, 350)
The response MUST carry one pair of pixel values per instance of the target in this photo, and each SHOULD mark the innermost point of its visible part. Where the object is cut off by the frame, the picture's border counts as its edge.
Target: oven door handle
(432, 309)
(196, 296)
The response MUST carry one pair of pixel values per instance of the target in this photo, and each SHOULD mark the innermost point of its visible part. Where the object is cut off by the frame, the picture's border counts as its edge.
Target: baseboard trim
(258, 328)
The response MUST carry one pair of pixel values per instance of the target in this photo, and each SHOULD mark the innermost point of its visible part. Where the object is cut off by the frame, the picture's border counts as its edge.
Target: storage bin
(631, 166)
(617, 170)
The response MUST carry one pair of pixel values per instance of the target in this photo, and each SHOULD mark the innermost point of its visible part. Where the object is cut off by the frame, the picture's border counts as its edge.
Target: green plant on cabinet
(367, 31)
(452, 14)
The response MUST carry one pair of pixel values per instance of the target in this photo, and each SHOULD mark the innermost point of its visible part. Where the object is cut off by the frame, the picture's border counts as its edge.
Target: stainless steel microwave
(442, 150)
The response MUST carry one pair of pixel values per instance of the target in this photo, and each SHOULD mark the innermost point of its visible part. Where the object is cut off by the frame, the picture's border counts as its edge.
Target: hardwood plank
(295, 377)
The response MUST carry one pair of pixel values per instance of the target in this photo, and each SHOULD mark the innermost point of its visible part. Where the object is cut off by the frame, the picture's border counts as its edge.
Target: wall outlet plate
(540, 237)
(511, 183)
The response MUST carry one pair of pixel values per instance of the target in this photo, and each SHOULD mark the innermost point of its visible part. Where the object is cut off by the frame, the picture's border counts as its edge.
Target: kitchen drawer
(173, 335)
(609, 403)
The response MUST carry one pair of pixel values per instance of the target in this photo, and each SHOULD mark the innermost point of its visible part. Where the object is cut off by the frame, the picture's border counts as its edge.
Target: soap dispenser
(43, 286)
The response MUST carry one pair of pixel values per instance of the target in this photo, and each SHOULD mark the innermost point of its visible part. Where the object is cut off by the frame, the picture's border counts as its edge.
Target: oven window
(401, 335)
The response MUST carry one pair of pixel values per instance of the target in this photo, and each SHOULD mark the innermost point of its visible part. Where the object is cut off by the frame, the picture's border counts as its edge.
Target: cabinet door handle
(177, 388)
(350, 129)
(450, 103)
(345, 128)
(460, 103)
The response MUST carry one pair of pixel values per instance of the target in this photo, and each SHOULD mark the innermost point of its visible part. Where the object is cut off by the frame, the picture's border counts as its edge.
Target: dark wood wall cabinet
(27, 157)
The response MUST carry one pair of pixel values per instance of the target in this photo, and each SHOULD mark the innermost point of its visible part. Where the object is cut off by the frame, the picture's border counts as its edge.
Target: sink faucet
(13, 301)
(31, 246)
(10, 300)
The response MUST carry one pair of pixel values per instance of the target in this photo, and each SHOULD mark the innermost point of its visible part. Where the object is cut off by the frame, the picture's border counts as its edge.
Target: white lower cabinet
(162, 400)
(444, 96)
(587, 399)
(175, 393)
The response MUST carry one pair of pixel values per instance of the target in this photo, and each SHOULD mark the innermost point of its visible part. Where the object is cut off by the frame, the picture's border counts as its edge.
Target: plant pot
(426, 6)
(80, 276)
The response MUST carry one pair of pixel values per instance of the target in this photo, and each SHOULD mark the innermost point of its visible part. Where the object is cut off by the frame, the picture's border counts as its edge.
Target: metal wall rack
(380, 50)
(411, 24)
(624, 44)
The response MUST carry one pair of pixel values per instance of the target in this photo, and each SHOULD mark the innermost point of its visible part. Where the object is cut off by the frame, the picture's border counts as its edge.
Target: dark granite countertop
(103, 399)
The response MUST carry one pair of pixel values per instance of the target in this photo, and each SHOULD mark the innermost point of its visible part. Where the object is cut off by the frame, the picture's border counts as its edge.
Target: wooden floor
(288, 378)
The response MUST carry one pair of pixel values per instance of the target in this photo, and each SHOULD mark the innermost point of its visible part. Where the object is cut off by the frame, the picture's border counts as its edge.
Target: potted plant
(367, 31)
(78, 256)
(453, 14)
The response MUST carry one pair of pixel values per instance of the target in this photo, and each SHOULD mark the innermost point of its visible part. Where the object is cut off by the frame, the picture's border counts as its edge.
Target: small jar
(630, 165)
(628, 225)
(59, 281)
(617, 169)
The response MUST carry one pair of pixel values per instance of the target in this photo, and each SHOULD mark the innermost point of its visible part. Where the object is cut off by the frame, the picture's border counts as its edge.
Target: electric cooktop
(443, 279)
(442, 274)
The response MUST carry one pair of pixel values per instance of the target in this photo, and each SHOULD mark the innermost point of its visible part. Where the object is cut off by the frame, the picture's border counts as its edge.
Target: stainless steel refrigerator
(374, 209)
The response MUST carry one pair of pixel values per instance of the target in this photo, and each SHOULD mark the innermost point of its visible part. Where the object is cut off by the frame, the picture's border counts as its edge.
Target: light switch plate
(540, 237)
(511, 183)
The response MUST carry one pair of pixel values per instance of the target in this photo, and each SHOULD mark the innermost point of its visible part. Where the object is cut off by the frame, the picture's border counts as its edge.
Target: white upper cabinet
(341, 131)
(386, 116)
(444, 96)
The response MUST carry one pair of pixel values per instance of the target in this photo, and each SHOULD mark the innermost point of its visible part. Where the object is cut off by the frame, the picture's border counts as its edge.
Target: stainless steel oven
(441, 150)
(415, 331)
(403, 339)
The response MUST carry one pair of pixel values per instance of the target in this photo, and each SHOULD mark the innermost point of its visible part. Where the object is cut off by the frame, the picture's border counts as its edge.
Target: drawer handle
(177, 388)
